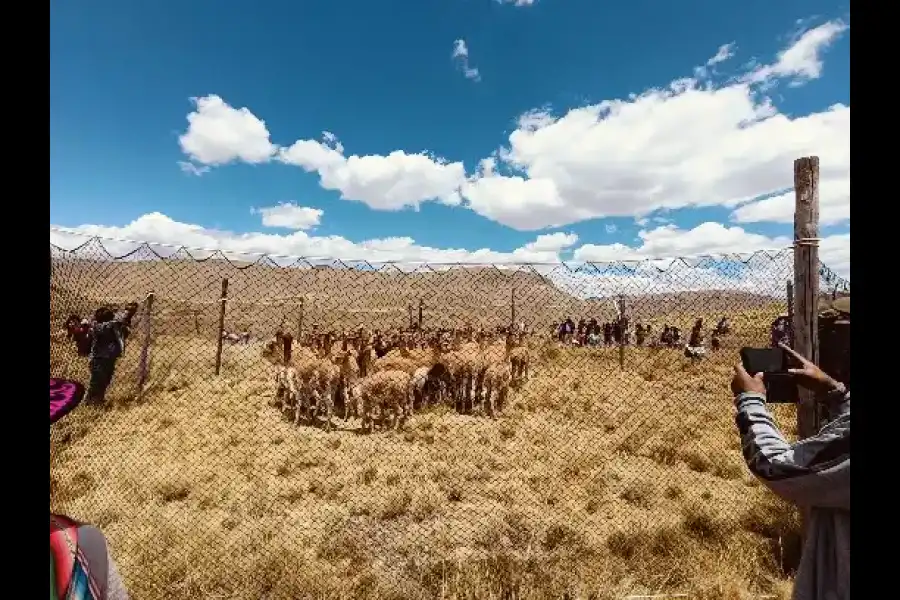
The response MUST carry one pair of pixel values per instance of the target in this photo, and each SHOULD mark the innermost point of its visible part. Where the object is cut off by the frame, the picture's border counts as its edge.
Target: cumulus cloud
(518, 3)
(398, 180)
(460, 56)
(289, 216)
(219, 134)
(669, 240)
(690, 143)
(589, 270)
(160, 229)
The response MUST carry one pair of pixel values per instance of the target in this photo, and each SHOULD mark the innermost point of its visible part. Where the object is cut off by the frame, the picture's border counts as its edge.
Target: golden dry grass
(595, 483)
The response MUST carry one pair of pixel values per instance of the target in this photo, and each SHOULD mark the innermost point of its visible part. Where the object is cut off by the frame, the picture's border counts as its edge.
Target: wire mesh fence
(433, 431)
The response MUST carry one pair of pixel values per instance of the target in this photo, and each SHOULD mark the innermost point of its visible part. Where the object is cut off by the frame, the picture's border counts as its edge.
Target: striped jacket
(813, 473)
(80, 565)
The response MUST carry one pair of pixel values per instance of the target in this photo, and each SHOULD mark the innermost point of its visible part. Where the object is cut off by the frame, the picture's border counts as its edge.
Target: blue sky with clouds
(449, 129)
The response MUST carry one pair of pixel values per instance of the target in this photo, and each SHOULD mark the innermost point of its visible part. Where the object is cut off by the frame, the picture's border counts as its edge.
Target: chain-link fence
(531, 431)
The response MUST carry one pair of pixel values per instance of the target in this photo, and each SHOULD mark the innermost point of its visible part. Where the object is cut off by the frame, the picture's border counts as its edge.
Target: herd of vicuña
(382, 378)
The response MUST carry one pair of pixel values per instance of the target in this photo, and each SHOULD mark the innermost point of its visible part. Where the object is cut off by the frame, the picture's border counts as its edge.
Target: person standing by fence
(108, 334)
(813, 473)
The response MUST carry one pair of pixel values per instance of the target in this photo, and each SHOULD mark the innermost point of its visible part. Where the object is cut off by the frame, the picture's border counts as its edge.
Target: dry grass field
(595, 482)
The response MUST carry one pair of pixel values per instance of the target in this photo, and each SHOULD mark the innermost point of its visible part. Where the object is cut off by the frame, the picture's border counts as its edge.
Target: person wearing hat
(813, 473)
(81, 567)
(108, 336)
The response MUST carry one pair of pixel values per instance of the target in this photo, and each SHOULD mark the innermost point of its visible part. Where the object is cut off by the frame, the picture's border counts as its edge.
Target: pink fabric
(65, 395)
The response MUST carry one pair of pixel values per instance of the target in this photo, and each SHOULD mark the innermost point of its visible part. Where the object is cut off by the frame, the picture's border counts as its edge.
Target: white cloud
(689, 143)
(761, 274)
(724, 52)
(218, 134)
(611, 228)
(834, 252)
(289, 216)
(460, 50)
(460, 56)
(692, 143)
(161, 229)
(552, 243)
(834, 204)
(391, 182)
(192, 169)
(519, 3)
(802, 60)
(669, 240)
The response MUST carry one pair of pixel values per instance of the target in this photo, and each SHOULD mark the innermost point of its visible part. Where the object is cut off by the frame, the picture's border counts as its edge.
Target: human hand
(809, 375)
(743, 382)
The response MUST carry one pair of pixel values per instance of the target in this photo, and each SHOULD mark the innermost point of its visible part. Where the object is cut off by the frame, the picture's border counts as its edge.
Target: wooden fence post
(222, 302)
(512, 309)
(409, 316)
(622, 332)
(144, 362)
(421, 308)
(805, 322)
(806, 279)
(789, 294)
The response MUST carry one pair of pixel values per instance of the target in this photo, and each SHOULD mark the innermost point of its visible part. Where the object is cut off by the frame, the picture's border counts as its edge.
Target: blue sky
(661, 174)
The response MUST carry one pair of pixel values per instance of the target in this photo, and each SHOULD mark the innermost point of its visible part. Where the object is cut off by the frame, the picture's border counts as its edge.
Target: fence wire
(477, 449)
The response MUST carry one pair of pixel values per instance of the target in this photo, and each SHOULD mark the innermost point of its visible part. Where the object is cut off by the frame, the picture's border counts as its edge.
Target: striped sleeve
(811, 472)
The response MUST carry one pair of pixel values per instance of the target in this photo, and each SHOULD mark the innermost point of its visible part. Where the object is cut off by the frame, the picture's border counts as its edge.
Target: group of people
(590, 332)
(813, 473)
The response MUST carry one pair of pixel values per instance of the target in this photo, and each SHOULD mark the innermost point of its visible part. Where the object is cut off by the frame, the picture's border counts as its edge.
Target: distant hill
(260, 297)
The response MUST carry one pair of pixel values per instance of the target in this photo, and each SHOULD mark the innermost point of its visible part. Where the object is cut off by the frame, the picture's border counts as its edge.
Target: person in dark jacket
(813, 473)
(108, 334)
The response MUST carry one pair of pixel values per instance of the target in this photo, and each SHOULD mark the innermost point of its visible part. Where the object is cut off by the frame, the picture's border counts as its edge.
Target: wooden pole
(790, 302)
(144, 362)
(804, 323)
(512, 309)
(421, 309)
(222, 302)
(622, 332)
(805, 328)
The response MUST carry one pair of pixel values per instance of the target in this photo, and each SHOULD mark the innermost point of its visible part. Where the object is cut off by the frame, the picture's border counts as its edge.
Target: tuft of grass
(704, 525)
(396, 504)
(173, 491)
(640, 493)
(697, 460)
